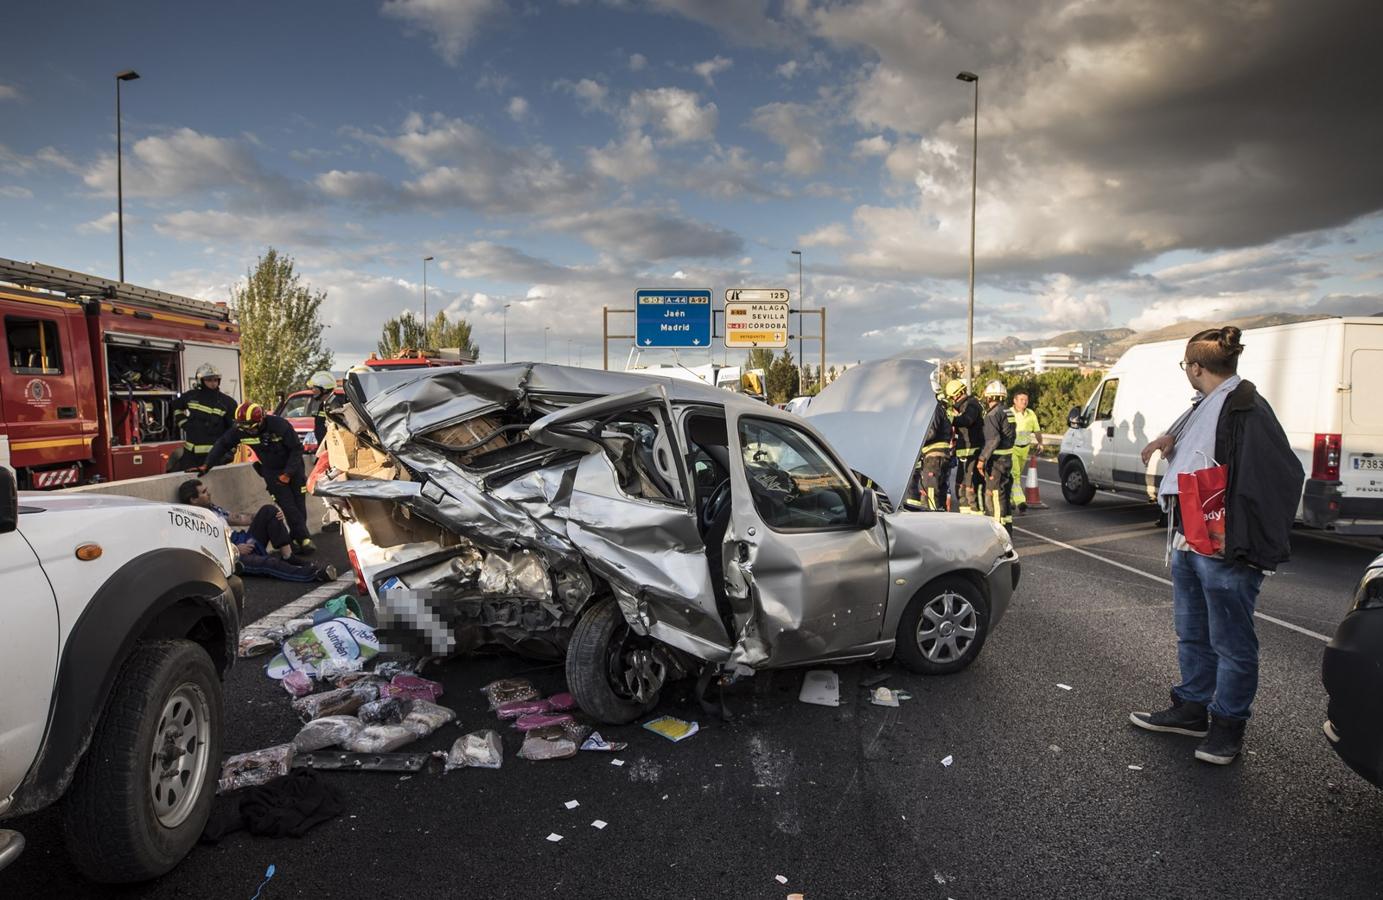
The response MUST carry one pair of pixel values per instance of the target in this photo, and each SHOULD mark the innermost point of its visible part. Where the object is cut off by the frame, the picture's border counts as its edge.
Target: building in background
(1045, 359)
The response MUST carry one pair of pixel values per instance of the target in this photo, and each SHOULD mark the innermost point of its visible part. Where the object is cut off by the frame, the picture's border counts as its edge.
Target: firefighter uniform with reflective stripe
(279, 451)
(997, 457)
(203, 415)
(925, 489)
(1026, 424)
(967, 421)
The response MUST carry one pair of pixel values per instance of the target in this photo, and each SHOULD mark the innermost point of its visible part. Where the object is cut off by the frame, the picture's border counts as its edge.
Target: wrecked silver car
(645, 529)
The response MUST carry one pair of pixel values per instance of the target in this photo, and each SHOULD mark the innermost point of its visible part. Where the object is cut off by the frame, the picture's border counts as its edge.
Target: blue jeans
(1217, 648)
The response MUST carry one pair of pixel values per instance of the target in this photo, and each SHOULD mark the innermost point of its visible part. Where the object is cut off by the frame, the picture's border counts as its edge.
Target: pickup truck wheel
(608, 666)
(943, 627)
(141, 796)
(1075, 484)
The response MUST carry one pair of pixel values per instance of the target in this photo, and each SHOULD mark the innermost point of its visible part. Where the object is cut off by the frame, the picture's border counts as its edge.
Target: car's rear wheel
(614, 674)
(141, 796)
(944, 627)
(1075, 484)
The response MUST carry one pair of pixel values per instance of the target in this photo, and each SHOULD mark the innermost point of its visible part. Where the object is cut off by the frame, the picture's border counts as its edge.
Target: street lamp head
(427, 259)
(127, 75)
(795, 252)
(967, 76)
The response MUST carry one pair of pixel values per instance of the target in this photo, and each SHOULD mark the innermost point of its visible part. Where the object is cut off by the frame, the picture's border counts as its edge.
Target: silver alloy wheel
(1075, 482)
(947, 627)
(178, 764)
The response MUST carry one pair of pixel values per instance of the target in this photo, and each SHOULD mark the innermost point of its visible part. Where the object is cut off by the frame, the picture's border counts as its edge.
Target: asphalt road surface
(1049, 792)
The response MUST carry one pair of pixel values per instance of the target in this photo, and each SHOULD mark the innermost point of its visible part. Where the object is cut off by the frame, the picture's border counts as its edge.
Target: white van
(1323, 379)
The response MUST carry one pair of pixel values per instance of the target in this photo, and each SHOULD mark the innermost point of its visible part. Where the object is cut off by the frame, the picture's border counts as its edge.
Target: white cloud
(9, 92)
(518, 109)
(793, 126)
(632, 159)
(218, 227)
(187, 162)
(877, 145)
(1064, 303)
(832, 235)
(591, 93)
(638, 62)
(15, 192)
(103, 224)
(647, 234)
(677, 113)
(742, 21)
(710, 68)
(451, 23)
(787, 69)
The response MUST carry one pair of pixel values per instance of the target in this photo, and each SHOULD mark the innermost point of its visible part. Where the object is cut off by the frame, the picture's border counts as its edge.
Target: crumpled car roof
(875, 415)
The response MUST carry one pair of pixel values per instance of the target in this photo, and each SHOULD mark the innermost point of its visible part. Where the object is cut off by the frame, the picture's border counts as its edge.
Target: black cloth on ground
(289, 806)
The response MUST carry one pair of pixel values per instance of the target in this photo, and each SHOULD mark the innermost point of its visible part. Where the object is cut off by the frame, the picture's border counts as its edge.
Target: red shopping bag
(1202, 500)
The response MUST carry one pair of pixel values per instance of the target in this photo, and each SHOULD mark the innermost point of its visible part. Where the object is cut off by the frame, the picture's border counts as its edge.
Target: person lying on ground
(262, 540)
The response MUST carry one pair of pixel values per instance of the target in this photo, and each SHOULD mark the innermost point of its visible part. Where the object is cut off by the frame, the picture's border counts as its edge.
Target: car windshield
(297, 407)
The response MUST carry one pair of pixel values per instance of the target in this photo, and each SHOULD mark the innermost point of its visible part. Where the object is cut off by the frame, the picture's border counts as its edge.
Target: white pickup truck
(119, 618)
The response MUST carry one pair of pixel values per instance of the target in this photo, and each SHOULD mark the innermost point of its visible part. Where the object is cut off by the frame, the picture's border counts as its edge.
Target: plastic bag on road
(340, 702)
(551, 742)
(336, 639)
(426, 717)
(298, 684)
(517, 708)
(329, 731)
(380, 739)
(508, 690)
(479, 749)
(386, 711)
(256, 767)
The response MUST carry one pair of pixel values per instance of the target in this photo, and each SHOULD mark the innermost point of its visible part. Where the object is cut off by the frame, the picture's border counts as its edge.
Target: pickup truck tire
(1075, 484)
(595, 665)
(123, 821)
(943, 627)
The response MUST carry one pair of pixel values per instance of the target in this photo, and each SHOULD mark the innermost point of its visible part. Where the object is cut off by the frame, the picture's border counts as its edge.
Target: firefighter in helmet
(323, 383)
(279, 455)
(926, 489)
(996, 456)
(967, 422)
(203, 414)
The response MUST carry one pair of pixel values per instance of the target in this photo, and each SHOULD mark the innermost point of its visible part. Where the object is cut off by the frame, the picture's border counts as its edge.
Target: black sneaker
(1225, 741)
(326, 573)
(1181, 717)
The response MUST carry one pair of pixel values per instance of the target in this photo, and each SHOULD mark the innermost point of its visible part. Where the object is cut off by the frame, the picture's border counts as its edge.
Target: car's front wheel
(141, 796)
(1075, 484)
(614, 674)
(943, 627)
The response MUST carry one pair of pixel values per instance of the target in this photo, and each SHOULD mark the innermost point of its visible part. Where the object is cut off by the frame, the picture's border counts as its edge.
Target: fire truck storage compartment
(142, 377)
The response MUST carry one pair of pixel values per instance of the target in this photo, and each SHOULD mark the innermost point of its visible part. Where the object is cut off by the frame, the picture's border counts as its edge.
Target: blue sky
(1138, 165)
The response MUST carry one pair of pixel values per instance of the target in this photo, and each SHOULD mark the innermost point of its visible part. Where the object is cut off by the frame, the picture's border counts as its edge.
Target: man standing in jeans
(1213, 597)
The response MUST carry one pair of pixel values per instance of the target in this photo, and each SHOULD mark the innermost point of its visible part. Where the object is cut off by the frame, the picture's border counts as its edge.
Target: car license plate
(1368, 463)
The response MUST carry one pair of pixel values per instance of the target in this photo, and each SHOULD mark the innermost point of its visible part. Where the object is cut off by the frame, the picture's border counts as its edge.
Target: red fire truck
(89, 368)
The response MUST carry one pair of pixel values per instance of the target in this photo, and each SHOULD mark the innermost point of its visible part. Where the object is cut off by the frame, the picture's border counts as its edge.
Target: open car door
(631, 515)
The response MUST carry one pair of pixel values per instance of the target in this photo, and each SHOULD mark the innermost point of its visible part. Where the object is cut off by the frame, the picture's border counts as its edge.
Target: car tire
(1075, 484)
(123, 822)
(591, 669)
(944, 627)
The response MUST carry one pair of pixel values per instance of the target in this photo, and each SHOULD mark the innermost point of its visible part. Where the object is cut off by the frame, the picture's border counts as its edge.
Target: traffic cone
(1030, 492)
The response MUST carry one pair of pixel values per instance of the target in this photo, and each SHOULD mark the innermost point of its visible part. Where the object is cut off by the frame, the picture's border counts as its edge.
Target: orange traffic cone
(1030, 492)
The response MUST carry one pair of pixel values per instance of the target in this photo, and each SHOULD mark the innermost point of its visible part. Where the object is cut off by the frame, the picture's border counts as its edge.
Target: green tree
(759, 358)
(280, 329)
(406, 332)
(783, 379)
(831, 374)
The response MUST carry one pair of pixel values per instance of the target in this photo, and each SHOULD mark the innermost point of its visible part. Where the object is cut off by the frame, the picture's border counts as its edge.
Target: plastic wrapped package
(414, 687)
(542, 720)
(353, 679)
(328, 731)
(551, 742)
(254, 768)
(426, 717)
(255, 644)
(393, 667)
(562, 702)
(380, 739)
(365, 690)
(507, 690)
(479, 749)
(517, 708)
(299, 684)
(596, 742)
(340, 702)
(385, 711)
(331, 669)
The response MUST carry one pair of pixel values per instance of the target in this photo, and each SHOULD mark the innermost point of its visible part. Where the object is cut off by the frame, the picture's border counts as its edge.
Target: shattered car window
(794, 483)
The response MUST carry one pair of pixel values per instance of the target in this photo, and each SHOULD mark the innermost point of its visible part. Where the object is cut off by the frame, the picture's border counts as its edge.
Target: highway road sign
(757, 295)
(751, 324)
(672, 318)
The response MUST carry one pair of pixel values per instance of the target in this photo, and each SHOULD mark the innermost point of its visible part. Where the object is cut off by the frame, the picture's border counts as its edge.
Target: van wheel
(1075, 486)
(943, 627)
(142, 793)
(613, 673)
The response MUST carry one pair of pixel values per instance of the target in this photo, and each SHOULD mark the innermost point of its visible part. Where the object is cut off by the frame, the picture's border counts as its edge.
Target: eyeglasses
(1186, 362)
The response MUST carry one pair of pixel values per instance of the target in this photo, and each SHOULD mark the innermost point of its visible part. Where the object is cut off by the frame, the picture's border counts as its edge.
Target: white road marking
(1160, 580)
(307, 602)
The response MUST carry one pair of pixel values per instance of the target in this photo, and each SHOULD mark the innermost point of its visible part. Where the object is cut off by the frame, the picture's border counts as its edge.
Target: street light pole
(800, 306)
(506, 331)
(569, 340)
(426, 260)
(974, 79)
(546, 329)
(127, 75)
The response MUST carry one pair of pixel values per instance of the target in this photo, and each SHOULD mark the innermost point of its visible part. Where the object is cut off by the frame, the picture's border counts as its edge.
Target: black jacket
(1265, 480)
(277, 447)
(203, 415)
(999, 431)
(938, 430)
(968, 424)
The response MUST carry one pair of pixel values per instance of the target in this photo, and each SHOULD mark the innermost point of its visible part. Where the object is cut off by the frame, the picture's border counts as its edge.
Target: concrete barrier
(235, 487)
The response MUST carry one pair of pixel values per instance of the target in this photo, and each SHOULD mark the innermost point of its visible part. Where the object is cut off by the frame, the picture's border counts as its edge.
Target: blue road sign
(672, 318)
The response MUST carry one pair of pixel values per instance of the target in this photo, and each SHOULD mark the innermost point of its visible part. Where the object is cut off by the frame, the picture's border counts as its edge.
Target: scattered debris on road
(946, 761)
(820, 687)
(255, 768)
(672, 728)
(479, 749)
(599, 824)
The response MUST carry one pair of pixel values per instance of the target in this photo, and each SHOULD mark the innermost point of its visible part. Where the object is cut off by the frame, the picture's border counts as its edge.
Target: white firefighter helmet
(205, 371)
(323, 381)
(995, 388)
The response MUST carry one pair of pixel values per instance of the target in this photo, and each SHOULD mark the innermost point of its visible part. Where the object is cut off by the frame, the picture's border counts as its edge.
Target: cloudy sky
(1141, 161)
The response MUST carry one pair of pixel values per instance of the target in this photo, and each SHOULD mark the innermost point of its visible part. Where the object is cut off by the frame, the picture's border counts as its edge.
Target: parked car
(1352, 672)
(1322, 378)
(643, 528)
(121, 618)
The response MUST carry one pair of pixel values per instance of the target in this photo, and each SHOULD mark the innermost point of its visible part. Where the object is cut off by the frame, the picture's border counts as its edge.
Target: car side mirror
(867, 512)
(9, 501)
(1075, 419)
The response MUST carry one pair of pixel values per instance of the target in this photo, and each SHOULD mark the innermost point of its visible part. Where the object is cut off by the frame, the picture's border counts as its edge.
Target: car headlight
(1369, 594)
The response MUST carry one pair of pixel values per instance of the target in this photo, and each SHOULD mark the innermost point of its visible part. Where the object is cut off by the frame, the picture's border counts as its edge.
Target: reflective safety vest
(1026, 424)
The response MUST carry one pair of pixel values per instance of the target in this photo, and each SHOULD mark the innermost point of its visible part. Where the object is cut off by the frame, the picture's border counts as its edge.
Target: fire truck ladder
(78, 285)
